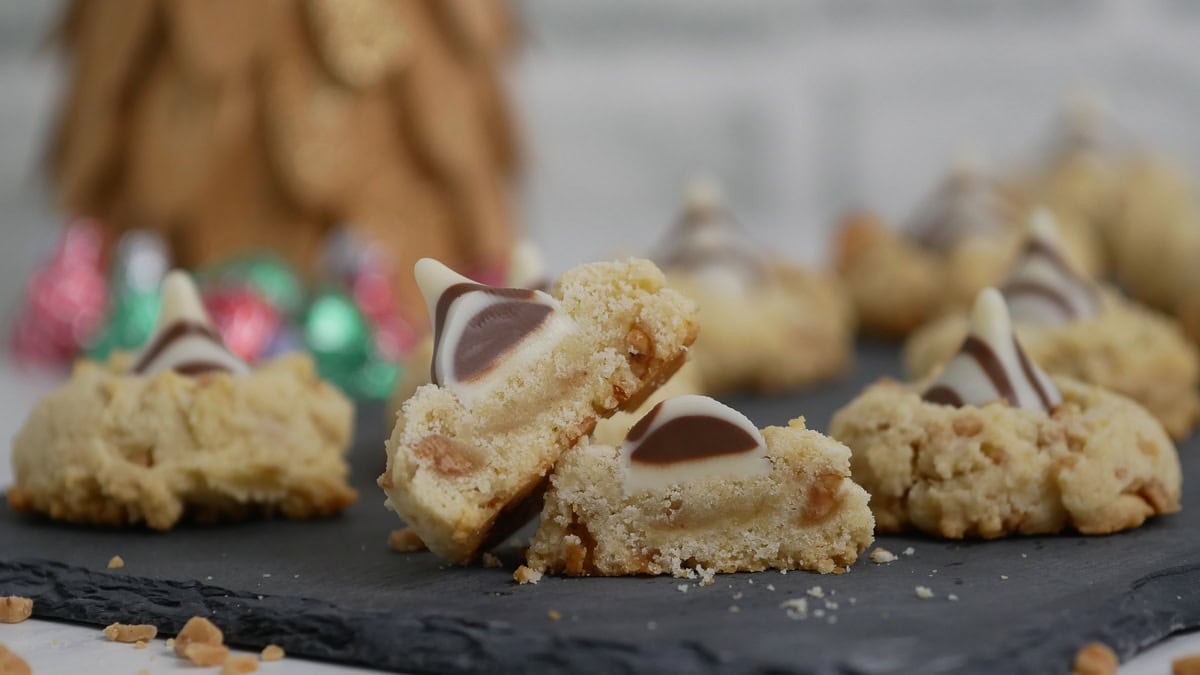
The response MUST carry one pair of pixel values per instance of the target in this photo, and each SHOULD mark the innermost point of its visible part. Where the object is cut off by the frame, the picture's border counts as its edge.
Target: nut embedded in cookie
(696, 484)
(520, 376)
(993, 447)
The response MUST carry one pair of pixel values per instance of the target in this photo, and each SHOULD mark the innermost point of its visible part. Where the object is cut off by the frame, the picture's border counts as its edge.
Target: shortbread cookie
(963, 239)
(612, 430)
(518, 377)
(696, 485)
(1072, 328)
(184, 429)
(766, 325)
(993, 446)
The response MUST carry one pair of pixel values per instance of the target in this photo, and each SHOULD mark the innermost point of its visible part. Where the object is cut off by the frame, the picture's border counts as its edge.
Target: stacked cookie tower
(243, 127)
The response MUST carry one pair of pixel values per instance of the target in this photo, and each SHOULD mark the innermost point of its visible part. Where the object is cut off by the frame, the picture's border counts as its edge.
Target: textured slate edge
(320, 630)
(1156, 606)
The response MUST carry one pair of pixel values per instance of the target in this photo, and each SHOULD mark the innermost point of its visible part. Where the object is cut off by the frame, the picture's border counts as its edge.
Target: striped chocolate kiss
(1042, 288)
(691, 437)
(184, 339)
(481, 332)
(992, 366)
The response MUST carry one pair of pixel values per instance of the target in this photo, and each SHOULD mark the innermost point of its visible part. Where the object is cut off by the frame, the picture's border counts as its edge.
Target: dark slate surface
(333, 590)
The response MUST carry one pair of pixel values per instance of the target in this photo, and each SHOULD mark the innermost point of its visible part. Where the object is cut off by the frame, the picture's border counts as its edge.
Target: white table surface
(51, 647)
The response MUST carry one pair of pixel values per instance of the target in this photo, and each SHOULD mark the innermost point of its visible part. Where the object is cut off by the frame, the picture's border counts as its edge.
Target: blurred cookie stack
(234, 127)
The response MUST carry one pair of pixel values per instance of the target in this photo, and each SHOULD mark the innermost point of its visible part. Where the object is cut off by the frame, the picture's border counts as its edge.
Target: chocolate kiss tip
(704, 193)
(989, 317)
(433, 278)
(525, 266)
(181, 300)
(1043, 226)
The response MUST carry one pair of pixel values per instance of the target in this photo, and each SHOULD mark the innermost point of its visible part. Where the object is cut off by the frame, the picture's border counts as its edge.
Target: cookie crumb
(707, 576)
(202, 654)
(491, 561)
(11, 664)
(734, 609)
(1095, 659)
(909, 551)
(924, 592)
(682, 588)
(816, 592)
(1004, 577)
(15, 609)
(140, 644)
(116, 562)
(272, 653)
(239, 665)
(882, 556)
(952, 597)
(770, 587)
(404, 540)
(554, 615)
(199, 631)
(527, 575)
(125, 632)
(797, 608)
(170, 643)
(1186, 665)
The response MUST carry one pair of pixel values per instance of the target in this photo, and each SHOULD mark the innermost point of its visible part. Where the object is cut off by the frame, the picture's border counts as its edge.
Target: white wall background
(802, 107)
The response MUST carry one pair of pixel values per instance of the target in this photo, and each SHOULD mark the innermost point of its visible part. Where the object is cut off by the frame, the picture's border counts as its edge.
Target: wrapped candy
(64, 300)
(247, 322)
(137, 269)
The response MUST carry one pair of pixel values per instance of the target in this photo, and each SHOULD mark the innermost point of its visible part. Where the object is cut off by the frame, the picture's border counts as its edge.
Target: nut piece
(239, 664)
(272, 653)
(405, 540)
(116, 562)
(198, 631)
(527, 575)
(11, 664)
(1186, 665)
(881, 556)
(967, 426)
(201, 654)
(1095, 659)
(822, 498)
(124, 632)
(15, 609)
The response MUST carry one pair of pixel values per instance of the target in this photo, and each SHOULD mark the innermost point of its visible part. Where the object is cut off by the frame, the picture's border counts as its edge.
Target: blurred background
(801, 108)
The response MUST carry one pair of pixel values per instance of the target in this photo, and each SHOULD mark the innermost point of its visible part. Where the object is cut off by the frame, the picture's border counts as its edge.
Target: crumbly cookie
(520, 376)
(1127, 349)
(964, 240)
(766, 325)
(696, 485)
(1072, 327)
(992, 446)
(184, 430)
(612, 430)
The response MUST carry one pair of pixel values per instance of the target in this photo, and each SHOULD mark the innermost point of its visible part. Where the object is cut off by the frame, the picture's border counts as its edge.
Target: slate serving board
(333, 590)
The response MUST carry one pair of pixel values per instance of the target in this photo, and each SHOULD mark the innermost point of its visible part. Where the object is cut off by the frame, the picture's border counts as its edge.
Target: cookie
(1073, 328)
(184, 429)
(963, 239)
(695, 486)
(518, 376)
(766, 325)
(993, 446)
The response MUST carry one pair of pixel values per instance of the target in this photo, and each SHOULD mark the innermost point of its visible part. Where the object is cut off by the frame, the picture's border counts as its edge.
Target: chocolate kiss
(1042, 288)
(184, 339)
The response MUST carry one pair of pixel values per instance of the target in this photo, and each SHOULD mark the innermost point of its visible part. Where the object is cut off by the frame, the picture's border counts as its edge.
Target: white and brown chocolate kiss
(691, 437)
(708, 244)
(525, 267)
(970, 202)
(184, 339)
(1042, 288)
(992, 366)
(482, 333)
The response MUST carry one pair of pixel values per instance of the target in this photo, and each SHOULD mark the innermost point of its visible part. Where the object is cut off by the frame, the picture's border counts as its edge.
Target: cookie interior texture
(460, 476)
(1100, 463)
(1127, 349)
(110, 448)
(805, 514)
